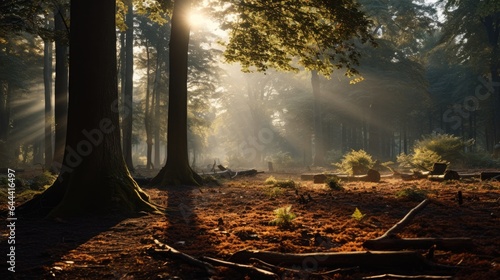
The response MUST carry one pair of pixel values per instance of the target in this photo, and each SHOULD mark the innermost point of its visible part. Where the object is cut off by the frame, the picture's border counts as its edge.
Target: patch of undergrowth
(285, 184)
(43, 180)
(273, 192)
(334, 183)
(23, 191)
(489, 187)
(356, 162)
(283, 217)
(413, 194)
(270, 180)
(449, 149)
(289, 183)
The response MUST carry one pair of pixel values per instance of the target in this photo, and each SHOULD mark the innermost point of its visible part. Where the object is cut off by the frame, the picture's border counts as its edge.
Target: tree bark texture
(93, 179)
(60, 85)
(129, 87)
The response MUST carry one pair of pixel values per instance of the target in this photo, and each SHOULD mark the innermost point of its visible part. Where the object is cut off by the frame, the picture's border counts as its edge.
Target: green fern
(284, 216)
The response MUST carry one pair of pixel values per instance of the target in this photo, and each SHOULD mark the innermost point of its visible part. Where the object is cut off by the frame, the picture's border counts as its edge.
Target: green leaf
(358, 215)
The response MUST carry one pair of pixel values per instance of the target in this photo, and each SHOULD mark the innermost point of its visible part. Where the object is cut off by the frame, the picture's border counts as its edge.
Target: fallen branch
(363, 259)
(389, 241)
(279, 269)
(393, 243)
(246, 269)
(396, 276)
(405, 221)
(173, 253)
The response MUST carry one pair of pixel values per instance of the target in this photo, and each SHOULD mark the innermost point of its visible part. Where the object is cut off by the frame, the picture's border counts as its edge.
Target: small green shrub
(413, 194)
(283, 216)
(273, 192)
(270, 180)
(285, 183)
(436, 148)
(334, 183)
(448, 147)
(356, 162)
(357, 215)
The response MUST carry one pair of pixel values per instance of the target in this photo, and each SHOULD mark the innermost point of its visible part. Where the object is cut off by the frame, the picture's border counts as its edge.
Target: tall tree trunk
(60, 85)
(94, 178)
(492, 25)
(47, 80)
(129, 87)
(156, 106)
(147, 114)
(177, 170)
(319, 149)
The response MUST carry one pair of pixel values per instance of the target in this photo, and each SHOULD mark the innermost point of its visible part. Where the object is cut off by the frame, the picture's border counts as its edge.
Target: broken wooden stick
(173, 253)
(396, 276)
(394, 243)
(278, 269)
(364, 259)
(406, 220)
(245, 269)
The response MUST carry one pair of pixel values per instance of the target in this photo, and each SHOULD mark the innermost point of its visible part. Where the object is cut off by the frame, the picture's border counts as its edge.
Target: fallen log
(362, 259)
(304, 273)
(310, 177)
(258, 273)
(173, 253)
(413, 176)
(451, 244)
(490, 175)
(226, 172)
(397, 276)
(372, 176)
(448, 175)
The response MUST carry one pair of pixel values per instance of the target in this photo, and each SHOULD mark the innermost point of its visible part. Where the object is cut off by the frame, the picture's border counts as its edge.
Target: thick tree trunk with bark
(148, 113)
(129, 87)
(94, 179)
(156, 106)
(364, 259)
(319, 147)
(177, 170)
(47, 81)
(60, 86)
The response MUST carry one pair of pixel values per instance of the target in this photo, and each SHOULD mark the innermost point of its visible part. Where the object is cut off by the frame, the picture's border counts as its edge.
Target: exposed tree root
(72, 196)
(175, 175)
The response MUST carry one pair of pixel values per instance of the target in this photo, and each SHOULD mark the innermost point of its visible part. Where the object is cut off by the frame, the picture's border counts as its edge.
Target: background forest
(432, 71)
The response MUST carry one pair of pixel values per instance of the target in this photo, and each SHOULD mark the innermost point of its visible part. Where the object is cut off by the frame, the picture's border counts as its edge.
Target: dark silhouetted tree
(93, 177)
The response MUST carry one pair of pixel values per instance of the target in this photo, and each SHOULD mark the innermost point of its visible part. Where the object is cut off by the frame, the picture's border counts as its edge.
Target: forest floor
(217, 221)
